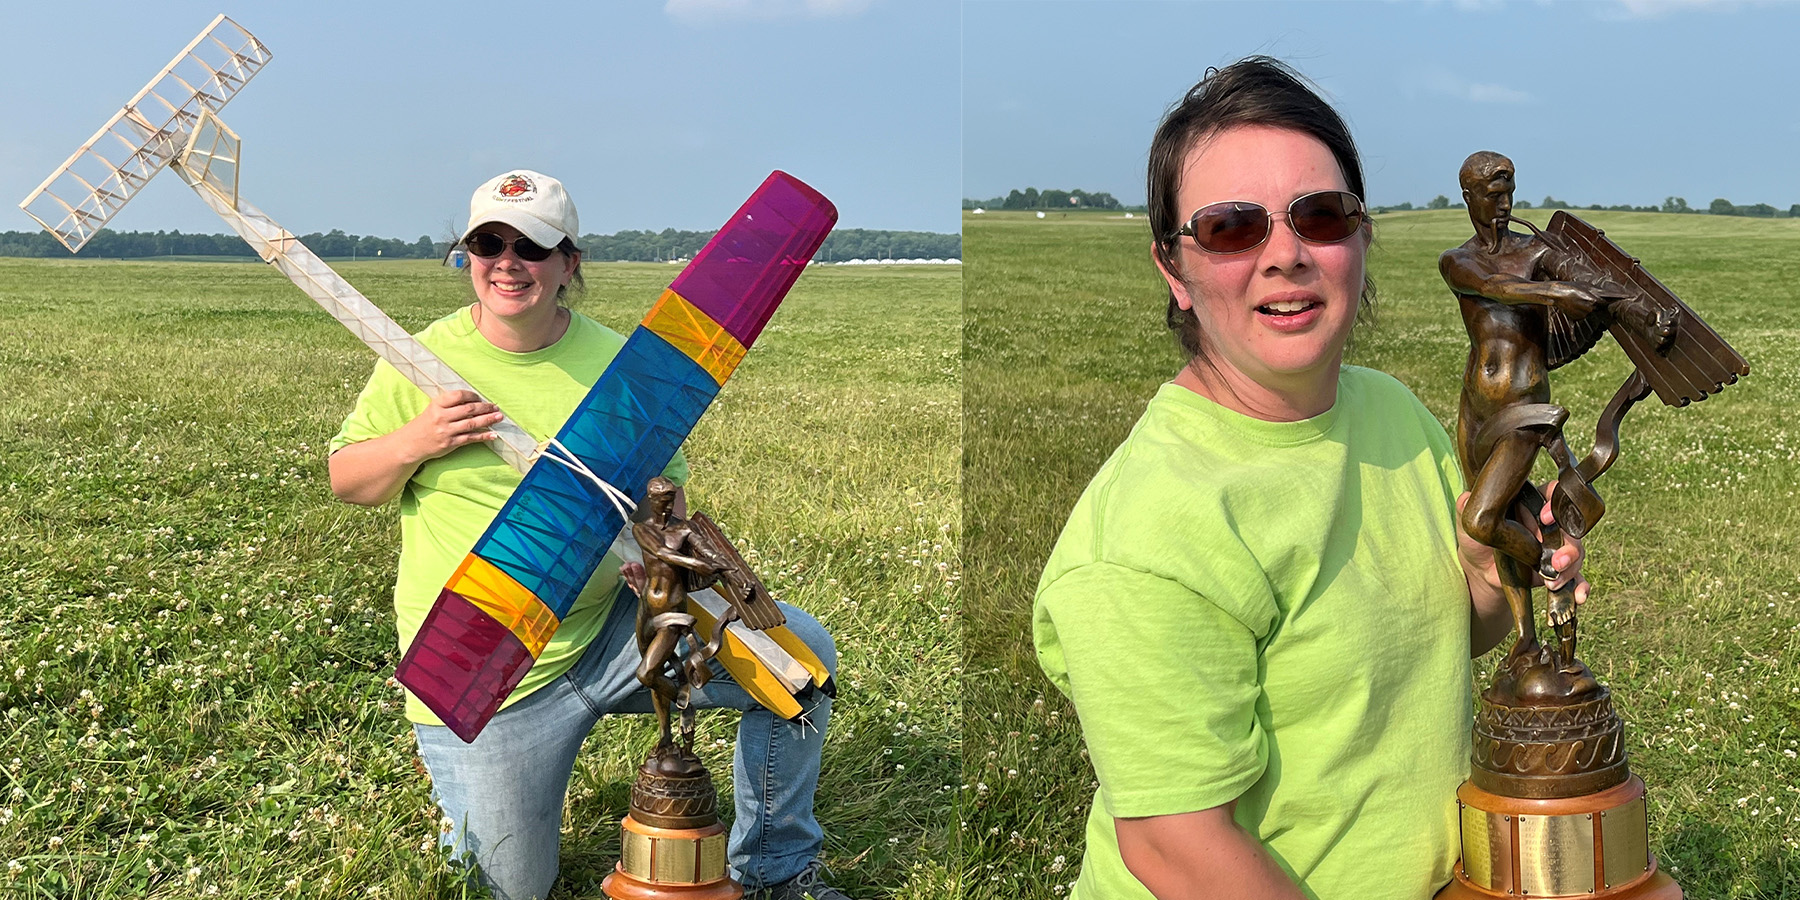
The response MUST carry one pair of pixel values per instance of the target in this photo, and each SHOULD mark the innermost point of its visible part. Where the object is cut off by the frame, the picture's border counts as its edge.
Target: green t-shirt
(450, 501)
(1272, 612)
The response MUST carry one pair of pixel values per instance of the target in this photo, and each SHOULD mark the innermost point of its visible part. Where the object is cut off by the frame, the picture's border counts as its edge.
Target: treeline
(110, 244)
(840, 245)
(1032, 198)
(1719, 207)
(625, 246)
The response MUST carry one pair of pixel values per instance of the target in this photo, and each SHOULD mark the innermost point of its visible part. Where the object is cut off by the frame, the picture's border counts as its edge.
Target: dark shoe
(808, 885)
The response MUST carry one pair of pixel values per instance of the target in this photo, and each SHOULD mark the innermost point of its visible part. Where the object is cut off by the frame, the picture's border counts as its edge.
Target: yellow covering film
(509, 602)
(801, 653)
(696, 334)
(750, 674)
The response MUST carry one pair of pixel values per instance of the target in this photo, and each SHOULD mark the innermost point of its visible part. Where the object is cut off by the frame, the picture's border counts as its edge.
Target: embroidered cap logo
(514, 187)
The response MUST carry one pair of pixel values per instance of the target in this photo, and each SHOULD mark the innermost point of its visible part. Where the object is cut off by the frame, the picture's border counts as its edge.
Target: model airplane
(508, 596)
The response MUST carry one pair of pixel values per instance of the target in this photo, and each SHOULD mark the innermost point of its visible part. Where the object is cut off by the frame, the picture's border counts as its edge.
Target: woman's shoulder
(588, 331)
(1160, 491)
(451, 328)
(1157, 463)
(1377, 394)
(1374, 385)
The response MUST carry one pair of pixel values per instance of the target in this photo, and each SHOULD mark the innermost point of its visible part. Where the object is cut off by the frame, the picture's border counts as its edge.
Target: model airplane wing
(501, 606)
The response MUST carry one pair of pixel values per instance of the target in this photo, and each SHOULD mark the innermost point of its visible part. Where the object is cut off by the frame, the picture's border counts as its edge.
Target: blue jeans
(504, 792)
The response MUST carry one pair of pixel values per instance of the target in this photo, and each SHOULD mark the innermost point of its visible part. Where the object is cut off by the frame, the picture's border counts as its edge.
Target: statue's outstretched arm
(650, 540)
(1464, 276)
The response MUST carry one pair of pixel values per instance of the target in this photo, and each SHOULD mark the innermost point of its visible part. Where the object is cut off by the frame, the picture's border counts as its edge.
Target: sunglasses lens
(529, 250)
(1230, 227)
(1326, 217)
(488, 245)
(485, 245)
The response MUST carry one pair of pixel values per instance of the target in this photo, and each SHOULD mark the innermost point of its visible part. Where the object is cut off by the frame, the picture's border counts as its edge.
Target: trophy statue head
(659, 499)
(1487, 189)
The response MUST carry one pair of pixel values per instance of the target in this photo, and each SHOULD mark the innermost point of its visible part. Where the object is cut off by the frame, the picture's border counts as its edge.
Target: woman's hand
(372, 472)
(1491, 617)
(452, 419)
(1567, 558)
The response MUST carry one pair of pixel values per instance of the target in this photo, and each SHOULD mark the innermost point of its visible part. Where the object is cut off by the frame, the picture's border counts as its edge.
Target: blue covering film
(553, 532)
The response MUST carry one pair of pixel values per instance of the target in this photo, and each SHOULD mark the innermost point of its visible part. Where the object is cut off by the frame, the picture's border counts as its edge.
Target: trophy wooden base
(671, 864)
(1592, 846)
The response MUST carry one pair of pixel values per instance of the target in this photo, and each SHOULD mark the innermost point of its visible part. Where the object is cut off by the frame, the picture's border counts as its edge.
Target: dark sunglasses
(488, 245)
(1233, 226)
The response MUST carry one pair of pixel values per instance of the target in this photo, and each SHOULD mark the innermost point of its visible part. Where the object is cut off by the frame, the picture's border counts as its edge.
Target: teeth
(1287, 306)
(510, 285)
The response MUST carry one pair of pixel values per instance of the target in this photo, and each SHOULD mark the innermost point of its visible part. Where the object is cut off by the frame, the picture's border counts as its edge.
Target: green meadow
(1694, 620)
(197, 637)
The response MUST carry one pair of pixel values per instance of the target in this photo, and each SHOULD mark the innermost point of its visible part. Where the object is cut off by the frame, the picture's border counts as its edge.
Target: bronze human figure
(1516, 291)
(1547, 744)
(674, 806)
(663, 618)
(682, 556)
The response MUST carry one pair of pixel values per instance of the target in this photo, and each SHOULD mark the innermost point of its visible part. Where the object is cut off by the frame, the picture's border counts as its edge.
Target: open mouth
(1287, 308)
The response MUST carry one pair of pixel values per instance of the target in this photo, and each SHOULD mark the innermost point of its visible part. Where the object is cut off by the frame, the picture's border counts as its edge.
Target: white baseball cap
(532, 202)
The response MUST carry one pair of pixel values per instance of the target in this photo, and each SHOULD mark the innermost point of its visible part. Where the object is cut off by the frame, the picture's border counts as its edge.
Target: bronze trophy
(673, 845)
(1550, 808)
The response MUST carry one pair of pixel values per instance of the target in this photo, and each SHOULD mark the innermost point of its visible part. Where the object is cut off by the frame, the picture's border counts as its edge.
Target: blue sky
(1597, 102)
(381, 118)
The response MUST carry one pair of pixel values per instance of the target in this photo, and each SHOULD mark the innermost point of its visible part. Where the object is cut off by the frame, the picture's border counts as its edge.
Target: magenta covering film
(747, 267)
(463, 664)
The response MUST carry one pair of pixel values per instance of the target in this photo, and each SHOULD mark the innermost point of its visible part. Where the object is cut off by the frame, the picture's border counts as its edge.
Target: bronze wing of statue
(1691, 365)
(735, 581)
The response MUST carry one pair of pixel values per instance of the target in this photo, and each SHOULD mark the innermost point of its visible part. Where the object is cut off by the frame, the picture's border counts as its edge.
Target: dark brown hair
(1256, 90)
(577, 285)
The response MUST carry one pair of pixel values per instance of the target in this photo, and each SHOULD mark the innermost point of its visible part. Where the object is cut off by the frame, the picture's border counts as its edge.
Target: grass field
(197, 638)
(1695, 619)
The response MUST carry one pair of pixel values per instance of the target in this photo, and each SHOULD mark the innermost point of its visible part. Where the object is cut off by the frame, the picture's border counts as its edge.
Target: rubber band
(621, 501)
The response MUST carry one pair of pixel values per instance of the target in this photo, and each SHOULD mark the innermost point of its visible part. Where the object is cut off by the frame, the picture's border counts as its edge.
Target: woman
(536, 358)
(1260, 607)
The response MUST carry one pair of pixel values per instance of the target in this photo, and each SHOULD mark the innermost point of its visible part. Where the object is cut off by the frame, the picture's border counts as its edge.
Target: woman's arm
(372, 472)
(1203, 854)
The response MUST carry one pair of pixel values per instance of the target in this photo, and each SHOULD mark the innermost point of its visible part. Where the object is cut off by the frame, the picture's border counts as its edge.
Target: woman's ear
(1176, 286)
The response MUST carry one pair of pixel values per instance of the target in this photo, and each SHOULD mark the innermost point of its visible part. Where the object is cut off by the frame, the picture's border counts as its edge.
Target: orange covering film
(695, 333)
(509, 602)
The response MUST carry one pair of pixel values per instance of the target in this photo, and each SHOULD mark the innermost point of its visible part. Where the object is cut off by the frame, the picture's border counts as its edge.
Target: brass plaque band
(662, 860)
(1556, 855)
(1582, 847)
(1625, 842)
